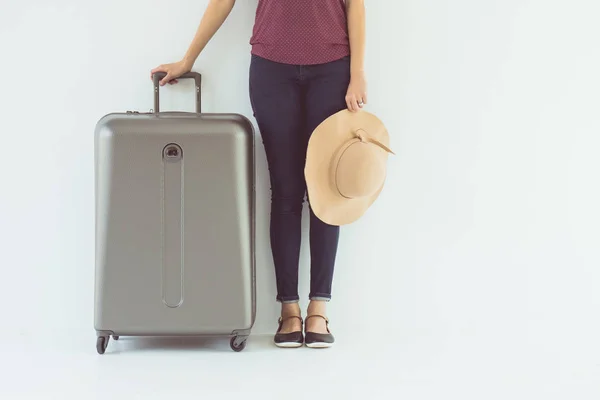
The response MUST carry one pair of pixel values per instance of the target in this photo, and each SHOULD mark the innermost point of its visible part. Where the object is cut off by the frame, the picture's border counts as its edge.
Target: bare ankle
(317, 307)
(289, 309)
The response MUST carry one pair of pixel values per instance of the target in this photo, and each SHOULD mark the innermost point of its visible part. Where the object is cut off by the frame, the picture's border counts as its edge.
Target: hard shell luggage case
(174, 224)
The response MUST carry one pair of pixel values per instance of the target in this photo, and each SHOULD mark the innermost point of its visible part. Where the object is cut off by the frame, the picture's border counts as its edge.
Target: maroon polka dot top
(300, 32)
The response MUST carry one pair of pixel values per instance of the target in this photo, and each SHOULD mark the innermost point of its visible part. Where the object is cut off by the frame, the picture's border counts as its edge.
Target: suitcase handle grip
(189, 75)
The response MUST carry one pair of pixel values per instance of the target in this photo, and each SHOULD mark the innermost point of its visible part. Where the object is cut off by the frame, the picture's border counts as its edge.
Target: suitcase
(174, 216)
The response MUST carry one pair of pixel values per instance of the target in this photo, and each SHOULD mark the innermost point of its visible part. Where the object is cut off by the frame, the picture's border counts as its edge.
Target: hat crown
(360, 170)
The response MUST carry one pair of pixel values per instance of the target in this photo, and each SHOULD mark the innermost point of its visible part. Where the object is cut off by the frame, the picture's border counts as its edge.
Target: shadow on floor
(188, 344)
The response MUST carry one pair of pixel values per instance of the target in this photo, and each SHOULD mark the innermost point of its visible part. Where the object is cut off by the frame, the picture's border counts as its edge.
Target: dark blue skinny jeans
(289, 102)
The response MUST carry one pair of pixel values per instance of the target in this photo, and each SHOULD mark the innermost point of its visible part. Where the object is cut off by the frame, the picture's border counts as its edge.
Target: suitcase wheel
(238, 343)
(115, 337)
(102, 344)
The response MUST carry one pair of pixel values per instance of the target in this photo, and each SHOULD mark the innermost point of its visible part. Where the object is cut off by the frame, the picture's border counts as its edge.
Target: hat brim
(325, 200)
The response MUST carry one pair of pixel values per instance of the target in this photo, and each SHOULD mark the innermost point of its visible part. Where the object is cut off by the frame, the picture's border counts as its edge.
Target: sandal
(289, 340)
(319, 340)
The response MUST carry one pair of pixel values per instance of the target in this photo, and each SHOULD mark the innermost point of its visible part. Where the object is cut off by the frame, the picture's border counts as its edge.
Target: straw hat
(346, 166)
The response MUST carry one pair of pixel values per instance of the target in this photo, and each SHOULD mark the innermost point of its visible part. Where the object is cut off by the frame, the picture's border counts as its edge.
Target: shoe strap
(320, 316)
(282, 320)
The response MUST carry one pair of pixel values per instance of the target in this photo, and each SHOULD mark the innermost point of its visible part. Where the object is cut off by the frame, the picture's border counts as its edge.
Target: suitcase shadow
(187, 344)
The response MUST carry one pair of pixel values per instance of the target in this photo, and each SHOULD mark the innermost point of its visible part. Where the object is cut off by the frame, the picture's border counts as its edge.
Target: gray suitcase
(174, 224)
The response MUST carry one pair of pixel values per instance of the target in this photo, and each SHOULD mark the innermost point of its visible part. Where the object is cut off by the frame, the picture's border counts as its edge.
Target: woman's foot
(289, 333)
(317, 334)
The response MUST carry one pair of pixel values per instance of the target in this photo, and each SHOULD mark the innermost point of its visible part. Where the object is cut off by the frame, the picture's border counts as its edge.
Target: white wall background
(484, 244)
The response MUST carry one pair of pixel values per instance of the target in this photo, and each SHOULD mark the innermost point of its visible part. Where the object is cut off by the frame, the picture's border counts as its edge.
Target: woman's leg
(327, 85)
(276, 101)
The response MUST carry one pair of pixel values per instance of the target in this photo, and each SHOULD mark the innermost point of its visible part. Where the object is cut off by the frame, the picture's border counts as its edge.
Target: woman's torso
(300, 31)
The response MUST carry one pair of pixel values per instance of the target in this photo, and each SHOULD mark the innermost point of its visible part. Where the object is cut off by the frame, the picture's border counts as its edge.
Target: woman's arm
(356, 32)
(215, 14)
(357, 91)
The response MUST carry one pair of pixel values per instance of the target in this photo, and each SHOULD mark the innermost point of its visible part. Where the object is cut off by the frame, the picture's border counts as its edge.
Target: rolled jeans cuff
(319, 297)
(288, 299)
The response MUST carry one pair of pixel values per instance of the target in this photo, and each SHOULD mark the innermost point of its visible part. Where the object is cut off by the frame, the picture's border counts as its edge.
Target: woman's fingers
(352, 102)
(160, 68)
(356, 96)
(166, 79)
(167, 70)
(356, 102)
(171, 71)
(361, 100)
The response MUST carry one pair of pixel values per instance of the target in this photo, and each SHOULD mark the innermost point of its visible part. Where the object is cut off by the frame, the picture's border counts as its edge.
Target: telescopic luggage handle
(190, 75)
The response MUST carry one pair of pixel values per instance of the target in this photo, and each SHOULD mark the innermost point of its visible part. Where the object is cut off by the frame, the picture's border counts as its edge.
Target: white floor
(429, 367)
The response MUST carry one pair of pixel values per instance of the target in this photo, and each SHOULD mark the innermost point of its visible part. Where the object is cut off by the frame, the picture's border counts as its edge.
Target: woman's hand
(173, 71)
(356, 97)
